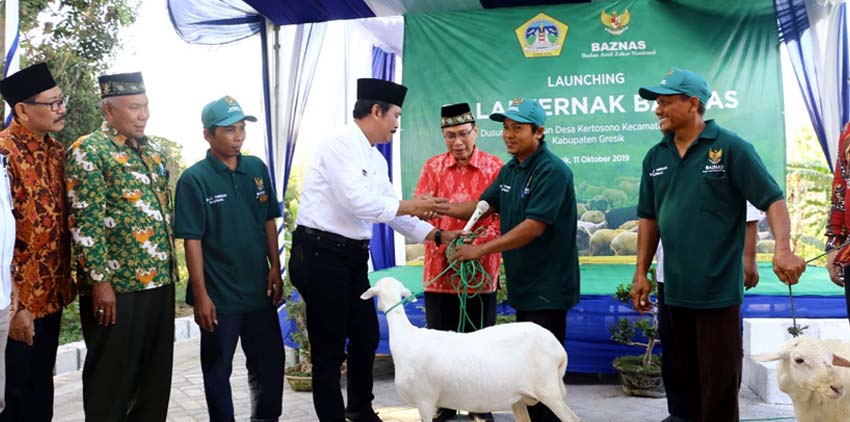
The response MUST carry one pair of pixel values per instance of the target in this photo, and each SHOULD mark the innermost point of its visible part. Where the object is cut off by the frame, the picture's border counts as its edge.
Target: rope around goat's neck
(468, 275)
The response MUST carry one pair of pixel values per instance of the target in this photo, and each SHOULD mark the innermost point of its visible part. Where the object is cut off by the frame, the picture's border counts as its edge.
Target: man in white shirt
(346, 190)
(677, 396)
(7, 245)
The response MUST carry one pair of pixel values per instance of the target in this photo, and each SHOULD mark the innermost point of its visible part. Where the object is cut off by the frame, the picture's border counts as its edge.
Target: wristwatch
(438, 237)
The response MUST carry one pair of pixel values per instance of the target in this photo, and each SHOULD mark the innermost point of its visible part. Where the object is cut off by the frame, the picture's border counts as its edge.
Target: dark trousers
(677, 393)
(709, 345)
(127, 373)
(330, 274)
(442, 311)
(263, 347)
(29, 373)
(556, 322)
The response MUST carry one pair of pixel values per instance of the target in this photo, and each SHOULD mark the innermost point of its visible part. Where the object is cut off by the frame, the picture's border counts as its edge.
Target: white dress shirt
(753, 214)
(7, 235)
(347, 189)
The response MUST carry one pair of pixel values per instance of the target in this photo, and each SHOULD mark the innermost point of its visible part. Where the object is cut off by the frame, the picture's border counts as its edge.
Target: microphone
(480, 209)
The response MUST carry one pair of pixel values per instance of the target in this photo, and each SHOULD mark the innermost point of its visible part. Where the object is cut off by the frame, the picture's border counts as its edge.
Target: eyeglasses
(54, 105)
(451, 136)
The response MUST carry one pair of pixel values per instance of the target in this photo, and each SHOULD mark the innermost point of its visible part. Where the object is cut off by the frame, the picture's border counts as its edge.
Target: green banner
(585, 63)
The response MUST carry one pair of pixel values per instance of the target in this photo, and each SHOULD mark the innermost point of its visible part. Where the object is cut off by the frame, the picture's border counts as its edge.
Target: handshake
(425, 207)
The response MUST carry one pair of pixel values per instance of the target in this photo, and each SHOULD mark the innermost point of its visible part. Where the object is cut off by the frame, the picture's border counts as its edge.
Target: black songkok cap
(26, 83)
(121, 84)
(455, 114)
(381, 90)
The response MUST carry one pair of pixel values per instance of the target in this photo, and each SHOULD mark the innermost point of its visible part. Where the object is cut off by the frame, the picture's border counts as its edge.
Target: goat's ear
(840, 361)
(368, 294)
(769, 357)
(407, 293)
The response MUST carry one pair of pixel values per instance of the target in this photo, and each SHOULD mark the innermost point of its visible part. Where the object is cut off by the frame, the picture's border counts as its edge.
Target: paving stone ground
(593, 398)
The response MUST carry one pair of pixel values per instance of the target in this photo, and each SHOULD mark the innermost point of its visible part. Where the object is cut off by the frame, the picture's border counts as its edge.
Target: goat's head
(810, 365)
(389, 292)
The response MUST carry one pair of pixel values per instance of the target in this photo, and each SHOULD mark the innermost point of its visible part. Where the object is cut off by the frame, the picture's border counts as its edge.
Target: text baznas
(603, 104)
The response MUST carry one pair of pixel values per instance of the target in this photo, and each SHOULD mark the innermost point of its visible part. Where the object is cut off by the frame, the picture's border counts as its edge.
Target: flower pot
(298, 380)
(638, 380)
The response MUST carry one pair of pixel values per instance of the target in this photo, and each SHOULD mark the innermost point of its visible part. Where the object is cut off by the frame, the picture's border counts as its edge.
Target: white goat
(815, 375)
(517, 364)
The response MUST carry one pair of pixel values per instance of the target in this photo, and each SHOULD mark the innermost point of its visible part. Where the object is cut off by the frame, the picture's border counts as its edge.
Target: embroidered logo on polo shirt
(216, 198)
(505, 188)
(259, 182)
(658, 171)
(715, 157)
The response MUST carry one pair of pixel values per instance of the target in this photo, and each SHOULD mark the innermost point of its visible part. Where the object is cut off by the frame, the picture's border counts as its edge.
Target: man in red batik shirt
(838, 259)
(461, 175)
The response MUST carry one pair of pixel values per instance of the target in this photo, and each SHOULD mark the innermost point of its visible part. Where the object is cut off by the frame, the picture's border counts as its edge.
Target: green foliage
(70, 329)
(808, 185)
(628, 332)
(76, 38)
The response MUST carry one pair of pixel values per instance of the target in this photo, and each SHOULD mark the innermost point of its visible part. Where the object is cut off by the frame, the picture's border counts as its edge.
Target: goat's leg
(520, 412)
(557, 405)
(427, 411)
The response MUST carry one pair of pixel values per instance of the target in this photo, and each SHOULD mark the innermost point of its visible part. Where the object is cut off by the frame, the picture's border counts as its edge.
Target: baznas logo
(542, 36)
(614, 23)
(715, 155)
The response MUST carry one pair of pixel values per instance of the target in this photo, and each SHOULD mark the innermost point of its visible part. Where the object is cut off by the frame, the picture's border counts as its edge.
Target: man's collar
(710, 132)
(21, 133)
(219, 166)
(119, 138)
(475, 160)
(527, 162)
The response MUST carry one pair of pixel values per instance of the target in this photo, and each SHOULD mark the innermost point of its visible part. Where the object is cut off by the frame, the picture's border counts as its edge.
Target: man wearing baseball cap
(535, 198)
(225, 210)
(694, 187)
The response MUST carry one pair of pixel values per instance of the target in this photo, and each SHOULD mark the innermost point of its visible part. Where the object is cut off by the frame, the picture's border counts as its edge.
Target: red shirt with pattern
(42, 259)
(443, 177)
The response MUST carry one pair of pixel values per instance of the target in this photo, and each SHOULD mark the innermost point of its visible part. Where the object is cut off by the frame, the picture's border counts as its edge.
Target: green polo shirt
(544, 274)
(227, 211)
(699, 203)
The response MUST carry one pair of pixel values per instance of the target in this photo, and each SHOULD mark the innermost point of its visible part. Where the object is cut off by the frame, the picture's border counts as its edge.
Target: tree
(76, 38)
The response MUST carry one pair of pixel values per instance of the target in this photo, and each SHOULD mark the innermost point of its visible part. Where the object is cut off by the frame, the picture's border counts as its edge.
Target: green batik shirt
(121, 212)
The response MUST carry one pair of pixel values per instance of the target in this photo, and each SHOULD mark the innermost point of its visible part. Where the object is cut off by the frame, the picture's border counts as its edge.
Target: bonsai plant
(299, 375)
(640, 375)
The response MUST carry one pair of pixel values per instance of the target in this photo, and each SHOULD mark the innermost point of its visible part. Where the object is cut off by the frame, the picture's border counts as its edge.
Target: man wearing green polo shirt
(535, 199)
(693, 191)
(225, 211)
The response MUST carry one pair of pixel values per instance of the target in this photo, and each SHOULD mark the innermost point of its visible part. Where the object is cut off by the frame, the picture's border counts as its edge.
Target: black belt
(322, 235)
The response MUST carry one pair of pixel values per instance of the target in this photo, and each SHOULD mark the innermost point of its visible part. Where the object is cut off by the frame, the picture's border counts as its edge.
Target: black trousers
(330, 274)
(442, 311)
(677, 393)
(29, 373)
(556, 322)
(709, 344)
(263, 346)
(127, 373)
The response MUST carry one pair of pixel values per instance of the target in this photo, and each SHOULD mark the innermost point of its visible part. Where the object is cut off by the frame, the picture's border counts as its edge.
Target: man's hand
(836, 271)
(103, 303)
(640, 293)
(425, 207)
(467, 252)
(274, 284)
(450, 235)
(22, 327)
(751, 274)
(788, 266)
(205, 312)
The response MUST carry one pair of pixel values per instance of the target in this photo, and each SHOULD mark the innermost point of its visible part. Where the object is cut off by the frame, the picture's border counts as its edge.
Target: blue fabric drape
(383, 245)
(794, 31)
(843, 67)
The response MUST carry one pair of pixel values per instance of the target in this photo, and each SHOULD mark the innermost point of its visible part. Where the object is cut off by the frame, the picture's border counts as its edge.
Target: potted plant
(300, 375)
(640, 375)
